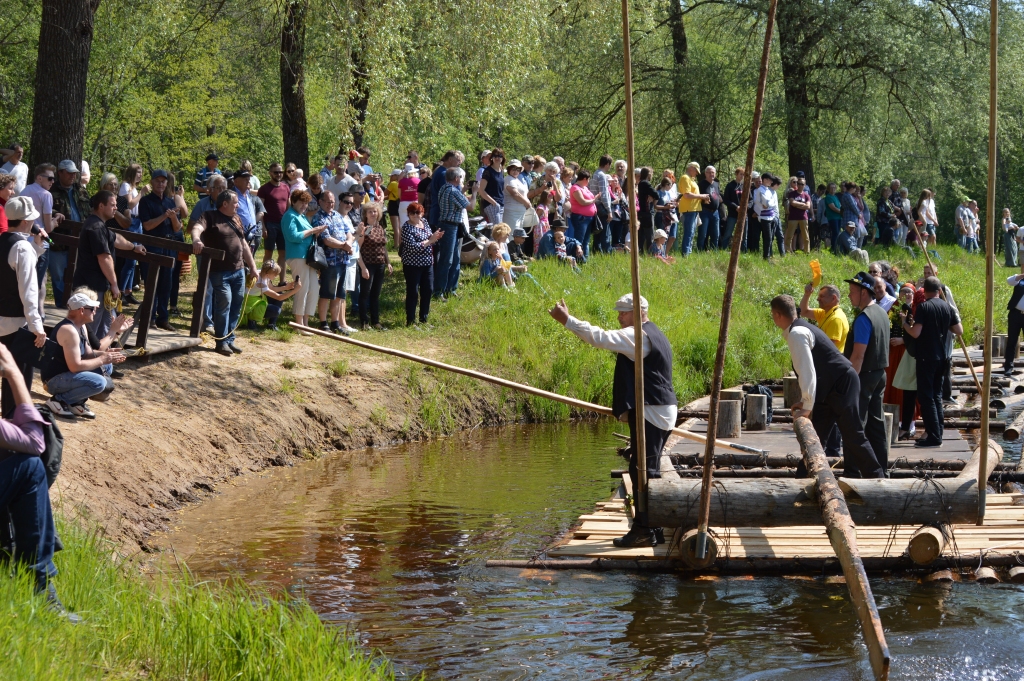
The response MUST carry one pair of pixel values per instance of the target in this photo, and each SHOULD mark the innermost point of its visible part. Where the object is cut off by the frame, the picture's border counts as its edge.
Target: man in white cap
(21, 324)
(79, 371)
(660, 405)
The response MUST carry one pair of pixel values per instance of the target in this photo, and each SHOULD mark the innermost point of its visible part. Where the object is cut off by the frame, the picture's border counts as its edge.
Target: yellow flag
(815, 273)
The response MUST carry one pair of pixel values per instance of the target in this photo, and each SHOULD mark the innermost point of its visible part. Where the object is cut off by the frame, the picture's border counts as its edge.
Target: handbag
(315, 256)
(530, 219)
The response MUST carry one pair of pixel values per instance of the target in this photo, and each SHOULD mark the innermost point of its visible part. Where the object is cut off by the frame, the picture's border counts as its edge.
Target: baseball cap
(397, 171)
(241, 173)
(625, 303)
(212, 157)
(159, 172)
(80, 300)
(862, 279)
(68, 166)
(514, 163)
(20, 208)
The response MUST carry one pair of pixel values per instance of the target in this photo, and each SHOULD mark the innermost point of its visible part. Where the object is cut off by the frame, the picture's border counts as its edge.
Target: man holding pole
(660, 404)
(830, 389)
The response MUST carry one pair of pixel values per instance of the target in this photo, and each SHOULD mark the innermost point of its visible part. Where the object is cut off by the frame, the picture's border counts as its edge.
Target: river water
(392, 545)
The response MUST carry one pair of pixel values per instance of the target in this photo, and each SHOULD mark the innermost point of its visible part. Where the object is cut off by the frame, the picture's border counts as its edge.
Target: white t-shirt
(254, 184)
(20, 172)
(127, 190)
(41, 198)
(340, 184)
(261, 287)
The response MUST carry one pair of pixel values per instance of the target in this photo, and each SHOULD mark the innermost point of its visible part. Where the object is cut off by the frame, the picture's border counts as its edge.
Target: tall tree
(293, 84)
(62, 71)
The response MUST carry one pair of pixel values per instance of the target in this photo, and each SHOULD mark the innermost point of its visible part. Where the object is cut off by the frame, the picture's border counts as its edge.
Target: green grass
(289, 363)
(137, 627)
(338, 368)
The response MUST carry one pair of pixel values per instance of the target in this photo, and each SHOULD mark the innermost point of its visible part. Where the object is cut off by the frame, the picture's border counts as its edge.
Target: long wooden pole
(639, 439)
(522, 387)
(842, 534)
(730, 283)
(990, 238)
(959, 339)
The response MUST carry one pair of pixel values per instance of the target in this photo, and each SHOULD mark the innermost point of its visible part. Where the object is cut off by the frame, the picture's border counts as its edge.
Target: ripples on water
(392, 546)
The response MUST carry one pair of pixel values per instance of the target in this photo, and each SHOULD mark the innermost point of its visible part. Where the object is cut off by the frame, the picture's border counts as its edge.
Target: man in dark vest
(660, 403)
(829, 388)
(867, 348)
(1014, 319)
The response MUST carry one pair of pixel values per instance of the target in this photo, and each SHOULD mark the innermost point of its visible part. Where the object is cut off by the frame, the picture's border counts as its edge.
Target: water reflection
(393, 546)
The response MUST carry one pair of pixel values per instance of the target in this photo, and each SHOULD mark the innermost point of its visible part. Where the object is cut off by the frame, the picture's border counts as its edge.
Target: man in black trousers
(932, 322)
(1014, 319)
(829, 388)
(867, 348)
(660, 405)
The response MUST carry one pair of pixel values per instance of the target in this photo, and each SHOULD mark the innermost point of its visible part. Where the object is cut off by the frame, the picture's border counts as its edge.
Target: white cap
(20, 208)
(80, 300)
(658, 234)
(410, 168)
(625, 303)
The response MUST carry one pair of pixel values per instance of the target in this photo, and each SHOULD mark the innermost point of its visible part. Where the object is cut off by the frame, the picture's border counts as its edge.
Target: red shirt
(409, 188)
(275, 200)
(3, 217)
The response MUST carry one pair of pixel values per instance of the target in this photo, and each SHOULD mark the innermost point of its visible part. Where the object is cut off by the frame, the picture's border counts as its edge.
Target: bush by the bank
(171, 628)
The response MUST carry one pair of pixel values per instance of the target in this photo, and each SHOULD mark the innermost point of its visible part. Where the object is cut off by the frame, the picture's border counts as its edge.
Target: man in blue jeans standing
(452, 205)
(222, 229)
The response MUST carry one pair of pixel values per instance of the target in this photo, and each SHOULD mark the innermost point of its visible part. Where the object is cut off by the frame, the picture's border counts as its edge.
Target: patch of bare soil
(179, 424)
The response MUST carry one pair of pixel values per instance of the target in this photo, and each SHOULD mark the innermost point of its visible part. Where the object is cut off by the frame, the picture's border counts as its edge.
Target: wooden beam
(167, 244)
(842, 534)
(199, 297)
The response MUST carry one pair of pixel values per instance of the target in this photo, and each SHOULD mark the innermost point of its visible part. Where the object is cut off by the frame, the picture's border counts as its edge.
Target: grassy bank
(512, 335)
(176, 628)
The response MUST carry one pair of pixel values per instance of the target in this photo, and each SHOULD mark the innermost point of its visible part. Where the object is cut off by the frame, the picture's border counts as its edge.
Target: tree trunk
(793, 55)
(293, 85)
(359, 99)
(62, 71)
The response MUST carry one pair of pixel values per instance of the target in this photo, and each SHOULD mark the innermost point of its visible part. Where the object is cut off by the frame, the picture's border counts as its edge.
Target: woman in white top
(766, 207)
(516, 203)
(928, 217)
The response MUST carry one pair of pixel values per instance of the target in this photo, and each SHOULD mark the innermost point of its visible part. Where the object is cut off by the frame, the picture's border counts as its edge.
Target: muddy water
(393, 548)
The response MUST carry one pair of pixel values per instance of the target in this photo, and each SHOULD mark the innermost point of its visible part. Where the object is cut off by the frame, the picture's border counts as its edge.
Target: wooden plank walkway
(1001, 536)
(158, 340)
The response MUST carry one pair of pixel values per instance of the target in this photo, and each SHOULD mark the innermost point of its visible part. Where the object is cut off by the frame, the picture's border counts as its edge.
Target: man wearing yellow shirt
(830, 318)
(832, 321)
(690, 204)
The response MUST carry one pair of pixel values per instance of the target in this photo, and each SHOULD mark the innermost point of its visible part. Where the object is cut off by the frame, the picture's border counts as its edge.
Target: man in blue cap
(159, 217)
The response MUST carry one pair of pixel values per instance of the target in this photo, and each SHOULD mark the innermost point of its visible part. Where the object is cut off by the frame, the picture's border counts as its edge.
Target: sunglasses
(48, 177)
(347, 203)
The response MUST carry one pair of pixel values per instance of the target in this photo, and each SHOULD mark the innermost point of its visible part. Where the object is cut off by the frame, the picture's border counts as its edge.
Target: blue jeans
(971, 244)
(58, 262)
(24, 492)
(725, 238)
(448, 264)
(708, 237)
(228, 293)
(689, 220)
(76, 388)
(603, 241)
(579, 229)
(126, 278)
(619, 229)
(163, 287)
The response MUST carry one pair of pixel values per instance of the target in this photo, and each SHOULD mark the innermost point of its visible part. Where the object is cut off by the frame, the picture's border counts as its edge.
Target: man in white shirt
(21, 324)
(829, 389)
(13, 165)
(342, 182)
(660, 404)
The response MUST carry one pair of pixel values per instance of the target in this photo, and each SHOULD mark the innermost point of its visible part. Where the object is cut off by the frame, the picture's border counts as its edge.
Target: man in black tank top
(660, 404)
(830, 390)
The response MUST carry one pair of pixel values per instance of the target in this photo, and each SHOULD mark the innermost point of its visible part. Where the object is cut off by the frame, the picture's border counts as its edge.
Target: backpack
(53, 450)
(757, 390)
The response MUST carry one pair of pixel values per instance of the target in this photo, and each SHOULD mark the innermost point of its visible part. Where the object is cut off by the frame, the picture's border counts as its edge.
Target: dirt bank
(181, 423)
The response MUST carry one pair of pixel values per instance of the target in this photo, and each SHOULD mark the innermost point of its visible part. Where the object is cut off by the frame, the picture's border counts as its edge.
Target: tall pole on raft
(990, 243)
(639, 441)
(730, 283)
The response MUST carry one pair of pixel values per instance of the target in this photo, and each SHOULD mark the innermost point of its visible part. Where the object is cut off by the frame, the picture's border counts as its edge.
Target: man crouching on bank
(660, 404)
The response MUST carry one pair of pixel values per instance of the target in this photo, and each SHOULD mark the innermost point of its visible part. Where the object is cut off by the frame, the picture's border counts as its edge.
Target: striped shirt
(451, 202)
(599, 186)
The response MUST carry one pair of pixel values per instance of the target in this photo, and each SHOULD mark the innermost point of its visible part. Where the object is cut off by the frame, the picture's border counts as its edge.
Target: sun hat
(514, 163)
(20, 208)
(660, 234)
(80, 300)
(410, 168)
(518, 231)
(625, 303)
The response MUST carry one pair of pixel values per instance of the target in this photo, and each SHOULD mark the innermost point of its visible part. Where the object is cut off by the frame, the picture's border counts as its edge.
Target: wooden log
(732, 394)
(781, 502)
(890, 428)
(727, 459)
(927, 544)
(1008, 401)
(1012, 431)
(890, 432)
(790, 391)
(986, 575)
(688, 551)
(842, 535)
(757, 412)
(1017, 574)
(939, 577)
(729, 418)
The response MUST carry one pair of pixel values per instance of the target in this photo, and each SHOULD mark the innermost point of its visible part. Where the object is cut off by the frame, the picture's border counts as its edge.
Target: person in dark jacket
(1014, 319)
(732, 196)
(829, 388)
(867, 348)
(660, 405)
